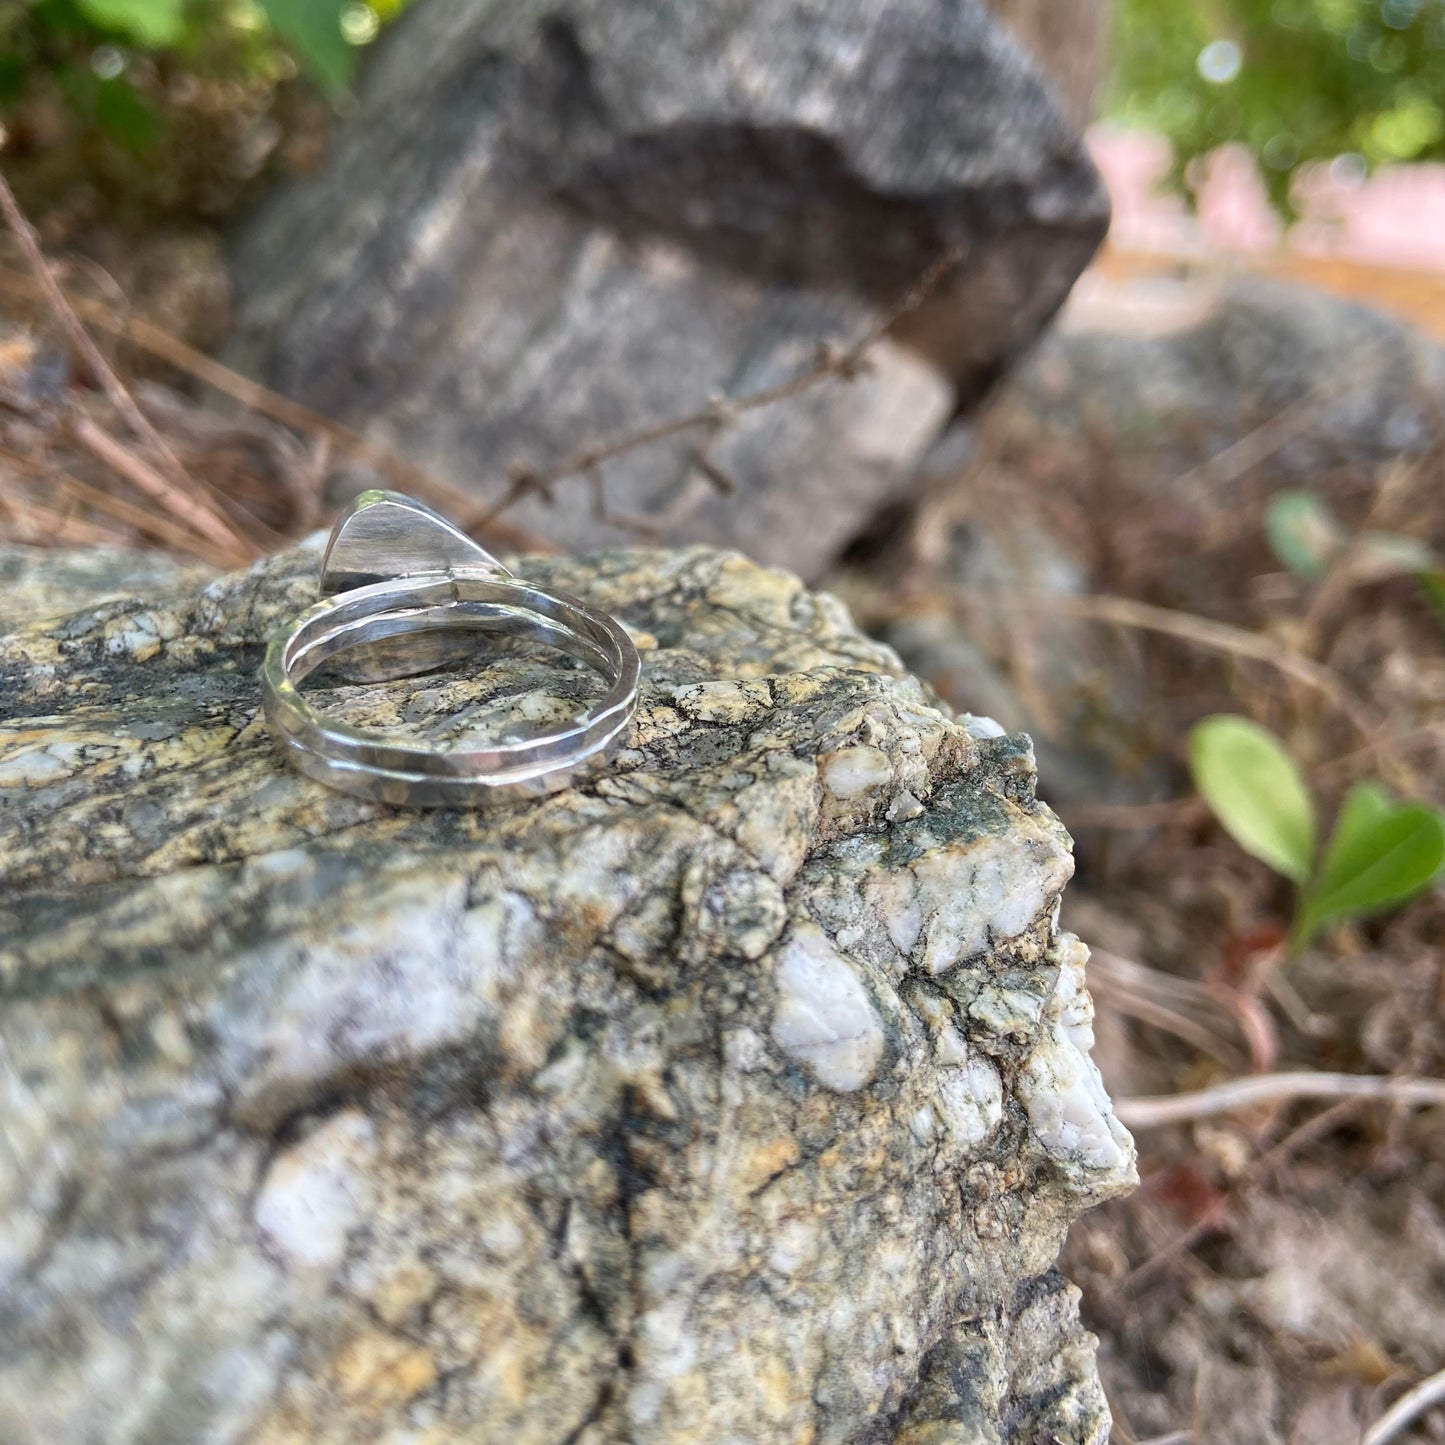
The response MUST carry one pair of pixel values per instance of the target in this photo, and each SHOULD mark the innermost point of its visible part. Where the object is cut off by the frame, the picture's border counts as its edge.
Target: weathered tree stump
(739, 1095)
(555, 222)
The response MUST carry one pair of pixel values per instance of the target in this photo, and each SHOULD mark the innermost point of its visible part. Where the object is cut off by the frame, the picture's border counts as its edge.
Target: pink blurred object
(1396, 218)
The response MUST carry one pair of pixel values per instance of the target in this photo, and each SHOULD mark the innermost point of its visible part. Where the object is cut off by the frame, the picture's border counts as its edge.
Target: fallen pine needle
(1156, 1111)
(146, 480)
(1406, 1410)
(174, 491)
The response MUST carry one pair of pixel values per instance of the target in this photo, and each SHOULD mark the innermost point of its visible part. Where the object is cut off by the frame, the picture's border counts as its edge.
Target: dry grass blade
(148, 523)
(1177, 1006)
(41, 525)
(1158, 1111)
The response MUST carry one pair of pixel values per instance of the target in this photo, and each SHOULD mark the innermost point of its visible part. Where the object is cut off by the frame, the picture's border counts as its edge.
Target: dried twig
(175, 492)
(1259, 1171)
(1178, 1006)
(841, 362)
(1406, 1410)
(1157, 1111)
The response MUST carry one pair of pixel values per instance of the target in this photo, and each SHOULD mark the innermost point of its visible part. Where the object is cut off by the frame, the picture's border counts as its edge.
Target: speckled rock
(40, 582)
(741, 1095)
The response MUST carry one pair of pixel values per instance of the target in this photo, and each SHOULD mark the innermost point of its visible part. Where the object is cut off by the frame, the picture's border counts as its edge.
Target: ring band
(461, 587)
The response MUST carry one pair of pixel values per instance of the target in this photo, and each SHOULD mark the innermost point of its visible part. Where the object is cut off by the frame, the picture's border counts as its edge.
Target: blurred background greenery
(1360, 83)
(1355, 83)
(163, 109)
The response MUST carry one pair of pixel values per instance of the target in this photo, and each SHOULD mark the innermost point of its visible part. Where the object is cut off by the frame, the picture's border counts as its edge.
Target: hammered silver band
(396, 621)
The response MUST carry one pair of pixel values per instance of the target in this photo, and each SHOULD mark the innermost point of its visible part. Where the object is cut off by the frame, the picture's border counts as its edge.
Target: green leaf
(313, 30)
(1381, 854)
(153, 23)
(122, 115)
(1244, 774)
(1432, 584)
(1302, 532)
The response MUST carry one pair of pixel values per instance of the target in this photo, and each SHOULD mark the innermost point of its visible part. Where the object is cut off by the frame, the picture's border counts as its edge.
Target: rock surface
(40, 582)
(973, 589)
(552, 224)
(742, 1095)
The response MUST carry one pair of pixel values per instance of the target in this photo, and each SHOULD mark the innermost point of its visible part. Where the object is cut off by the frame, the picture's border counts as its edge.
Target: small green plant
(1308, 539)
(1380, 854)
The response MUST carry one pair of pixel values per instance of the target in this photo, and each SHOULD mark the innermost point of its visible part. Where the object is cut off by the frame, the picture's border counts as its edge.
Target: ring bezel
(379, 615)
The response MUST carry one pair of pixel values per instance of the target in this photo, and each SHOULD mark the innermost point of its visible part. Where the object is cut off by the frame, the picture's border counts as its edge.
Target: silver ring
(399, 580)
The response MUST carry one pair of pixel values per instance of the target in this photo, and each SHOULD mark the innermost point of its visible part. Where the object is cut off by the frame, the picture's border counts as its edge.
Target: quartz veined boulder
(739, 1095)
(552, 223)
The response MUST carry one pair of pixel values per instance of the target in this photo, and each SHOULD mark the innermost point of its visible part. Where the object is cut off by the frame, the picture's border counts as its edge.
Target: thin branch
(831, 360)
(205, 519)
(1258, 1172)
(1163, 1109)
(1406, 1410)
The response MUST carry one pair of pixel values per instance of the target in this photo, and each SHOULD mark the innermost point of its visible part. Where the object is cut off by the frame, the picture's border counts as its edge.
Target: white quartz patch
(825, 1017)
(978, 726)
(851, 772)
(970, 1100)
(1060, 1087)
(959, 900)
(317, 1191)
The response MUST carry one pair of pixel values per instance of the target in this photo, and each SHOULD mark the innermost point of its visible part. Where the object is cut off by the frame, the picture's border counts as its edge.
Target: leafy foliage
(1256, 792)
(1307, 538)
(1380, 854)
(1432, 584)
(89, 51)
(1302, 532)
(1294, 81)
(314, 30)
(152, 23)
